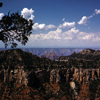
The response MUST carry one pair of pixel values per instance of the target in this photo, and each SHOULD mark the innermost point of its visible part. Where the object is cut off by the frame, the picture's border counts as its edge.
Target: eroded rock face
(75, 94)
(74, 74)
(17, 75)
(54, 76)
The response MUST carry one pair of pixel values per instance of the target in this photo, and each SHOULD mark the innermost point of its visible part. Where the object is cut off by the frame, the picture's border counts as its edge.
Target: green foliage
(67, 90)
(17, 57)
(2, 89)
(78, 86)
(93, 87)
(65, 87)
(13, 27)
(1, 4)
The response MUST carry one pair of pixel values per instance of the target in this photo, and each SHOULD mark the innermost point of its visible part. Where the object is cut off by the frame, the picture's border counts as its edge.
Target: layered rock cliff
(53, 76)
(74, 74)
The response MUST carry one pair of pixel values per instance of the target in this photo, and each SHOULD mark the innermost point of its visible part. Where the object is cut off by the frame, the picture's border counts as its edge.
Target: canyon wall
(53, 76)
(74, 74)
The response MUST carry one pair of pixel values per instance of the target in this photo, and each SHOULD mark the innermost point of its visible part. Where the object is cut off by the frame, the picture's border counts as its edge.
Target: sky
(58, 23)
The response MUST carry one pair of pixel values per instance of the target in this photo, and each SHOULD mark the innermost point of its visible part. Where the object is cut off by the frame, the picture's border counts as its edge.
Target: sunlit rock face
(74, 74)
(20, 76)
(54, 76)
(17, 75)
(73, 86)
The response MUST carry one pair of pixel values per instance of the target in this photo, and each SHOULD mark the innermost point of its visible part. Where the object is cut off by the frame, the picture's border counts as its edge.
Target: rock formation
(74, 74)
(17, 75)
(75, 94)
(54, 76)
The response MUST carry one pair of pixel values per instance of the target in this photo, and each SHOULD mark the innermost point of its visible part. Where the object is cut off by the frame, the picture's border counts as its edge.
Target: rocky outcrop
(74, 74)
(54, 76)
(17, 75)
(75, 94)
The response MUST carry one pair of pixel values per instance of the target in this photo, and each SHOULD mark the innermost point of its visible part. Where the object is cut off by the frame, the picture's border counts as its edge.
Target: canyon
(55, 81)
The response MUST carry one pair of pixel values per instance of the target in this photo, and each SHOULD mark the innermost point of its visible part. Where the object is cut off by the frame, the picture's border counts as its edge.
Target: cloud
(85, 36)
(63, 19)
(58, 38)
(73, 30)
(37, 26)
(83, 21)
(50, 27)
(50, 35)
(96, 39)
(1, 15)
(67, 25)
(27, 13)
(97, 11)
(56, 35)
(71, 35)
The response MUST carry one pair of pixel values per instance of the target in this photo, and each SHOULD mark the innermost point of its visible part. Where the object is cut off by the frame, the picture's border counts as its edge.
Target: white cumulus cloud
(50, 26)
(27, 13)
(1, 15)
(67, 25)
(56, 35)
(50, 35)
(70, 34)
(88, 36)
(83, 21)
(73, 30)
(97, 11)
(71, 37)
(37, 26)
(85, 36)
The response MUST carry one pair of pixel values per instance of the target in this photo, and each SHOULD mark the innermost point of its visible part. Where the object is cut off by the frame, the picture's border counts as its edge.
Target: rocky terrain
(25, 76)
(35, 79)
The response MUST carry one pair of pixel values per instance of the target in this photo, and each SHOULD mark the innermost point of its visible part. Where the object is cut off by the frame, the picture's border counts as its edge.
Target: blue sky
(59, 23)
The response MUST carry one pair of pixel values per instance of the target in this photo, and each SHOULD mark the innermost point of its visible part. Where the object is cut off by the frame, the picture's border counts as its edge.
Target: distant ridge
(58, 51)
(51, 55)
(87, 54)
